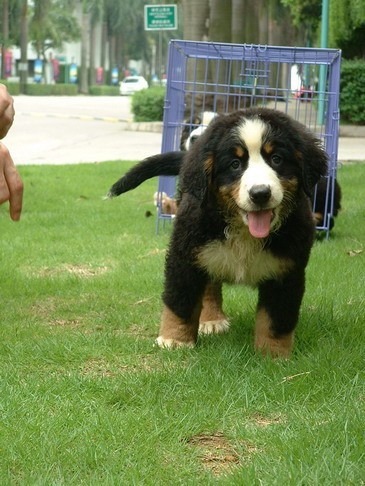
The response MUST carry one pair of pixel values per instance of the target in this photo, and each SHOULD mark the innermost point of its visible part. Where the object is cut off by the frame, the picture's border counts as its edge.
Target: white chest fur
(241, 259)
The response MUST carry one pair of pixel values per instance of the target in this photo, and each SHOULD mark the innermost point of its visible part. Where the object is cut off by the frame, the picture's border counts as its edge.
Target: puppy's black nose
(260, 194)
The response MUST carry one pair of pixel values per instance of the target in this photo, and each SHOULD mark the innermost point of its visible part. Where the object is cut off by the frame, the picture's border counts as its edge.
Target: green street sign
(160, 17)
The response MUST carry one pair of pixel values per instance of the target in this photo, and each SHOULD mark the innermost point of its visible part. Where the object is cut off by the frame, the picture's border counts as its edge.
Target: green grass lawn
(86, 397)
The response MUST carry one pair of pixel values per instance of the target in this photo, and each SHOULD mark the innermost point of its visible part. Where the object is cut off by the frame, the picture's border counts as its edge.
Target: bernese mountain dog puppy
(244, 217)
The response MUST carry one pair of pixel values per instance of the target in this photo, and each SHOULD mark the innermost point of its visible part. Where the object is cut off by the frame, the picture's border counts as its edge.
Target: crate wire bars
(218, 77)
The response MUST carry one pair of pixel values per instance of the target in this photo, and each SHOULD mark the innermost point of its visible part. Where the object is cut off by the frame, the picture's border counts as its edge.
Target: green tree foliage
(352, 91)
(304, 11)
(306, 15)
(347, 27)
(52, 22)
(14, 7)
(125, 20)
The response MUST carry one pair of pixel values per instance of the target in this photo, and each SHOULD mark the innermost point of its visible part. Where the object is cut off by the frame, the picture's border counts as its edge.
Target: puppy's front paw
(173, 343)
(214, 327)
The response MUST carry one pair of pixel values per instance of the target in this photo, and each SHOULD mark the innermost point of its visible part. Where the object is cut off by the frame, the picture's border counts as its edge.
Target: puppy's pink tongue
(259, 223)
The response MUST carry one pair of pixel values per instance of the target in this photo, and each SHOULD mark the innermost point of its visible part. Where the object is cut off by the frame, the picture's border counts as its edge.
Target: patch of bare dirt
(262, 421)
(103, 368)
(79, 270)
(216, 452)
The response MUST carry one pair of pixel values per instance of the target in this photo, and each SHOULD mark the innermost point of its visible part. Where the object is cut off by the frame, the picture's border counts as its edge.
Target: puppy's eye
(276, 160)
(235, 164)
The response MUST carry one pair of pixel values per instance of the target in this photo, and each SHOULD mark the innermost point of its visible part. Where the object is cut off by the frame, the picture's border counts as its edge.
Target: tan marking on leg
(266, 342)
(318, 218)
(208, 165)
(175, 332)
(212, 318)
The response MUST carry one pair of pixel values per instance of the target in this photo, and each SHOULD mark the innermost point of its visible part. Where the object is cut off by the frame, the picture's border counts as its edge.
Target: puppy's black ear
(197, 172)
(196, 175)
(314, 161)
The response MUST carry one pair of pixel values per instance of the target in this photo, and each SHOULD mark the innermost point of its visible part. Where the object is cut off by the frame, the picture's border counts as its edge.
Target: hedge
(352, 92)
(103, 90)
(52, 89)
(13, 88)
(147, 104)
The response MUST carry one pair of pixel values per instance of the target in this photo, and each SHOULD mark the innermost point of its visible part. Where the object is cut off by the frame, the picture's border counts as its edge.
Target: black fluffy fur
(204, 218)
(167, 164)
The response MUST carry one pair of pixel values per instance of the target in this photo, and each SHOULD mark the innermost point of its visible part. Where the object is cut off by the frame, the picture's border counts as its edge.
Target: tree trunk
(85, 35)
(196, 19)
(92, 74)
(238, 35)
(23, 46)
(220, 26)
(112, 43)
(5, 37)
(103, 48)
(251, 22)
(220, 20)
(196, 15)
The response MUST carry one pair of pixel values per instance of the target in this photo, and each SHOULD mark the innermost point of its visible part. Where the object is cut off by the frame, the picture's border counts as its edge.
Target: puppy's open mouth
(259, 222)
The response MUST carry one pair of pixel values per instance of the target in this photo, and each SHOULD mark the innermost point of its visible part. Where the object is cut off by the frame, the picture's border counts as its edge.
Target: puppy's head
(193, 131)
(254, 163)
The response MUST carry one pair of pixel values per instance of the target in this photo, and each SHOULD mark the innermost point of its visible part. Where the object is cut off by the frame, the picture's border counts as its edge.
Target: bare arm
(6, 111)
(11, 185)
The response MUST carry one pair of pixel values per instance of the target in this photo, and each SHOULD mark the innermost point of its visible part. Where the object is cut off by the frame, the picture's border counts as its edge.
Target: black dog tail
(167, 164)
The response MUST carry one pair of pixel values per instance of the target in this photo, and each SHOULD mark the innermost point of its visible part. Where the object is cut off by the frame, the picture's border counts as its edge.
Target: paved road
(65, 130)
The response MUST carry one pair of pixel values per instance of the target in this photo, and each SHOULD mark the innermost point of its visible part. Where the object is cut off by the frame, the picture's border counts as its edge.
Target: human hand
(6, 111)
(11, 185)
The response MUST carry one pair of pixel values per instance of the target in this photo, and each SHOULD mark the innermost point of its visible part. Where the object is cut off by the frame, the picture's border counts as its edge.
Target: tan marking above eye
(239, 152)
(268, 148)
(298, 155)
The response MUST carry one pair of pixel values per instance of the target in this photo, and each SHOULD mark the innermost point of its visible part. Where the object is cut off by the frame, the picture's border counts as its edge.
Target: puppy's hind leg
(212, 318)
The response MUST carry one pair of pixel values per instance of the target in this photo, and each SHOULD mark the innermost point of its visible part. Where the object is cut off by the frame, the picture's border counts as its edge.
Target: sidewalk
(351, 149)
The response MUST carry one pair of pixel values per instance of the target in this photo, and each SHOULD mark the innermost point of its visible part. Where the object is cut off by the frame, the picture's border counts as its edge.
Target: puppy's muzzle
(260, 194)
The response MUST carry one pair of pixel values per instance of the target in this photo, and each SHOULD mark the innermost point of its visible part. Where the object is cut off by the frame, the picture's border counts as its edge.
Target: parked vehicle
(131, 84)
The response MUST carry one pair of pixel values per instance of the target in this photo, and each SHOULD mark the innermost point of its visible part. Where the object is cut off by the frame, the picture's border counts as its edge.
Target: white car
(131, 84)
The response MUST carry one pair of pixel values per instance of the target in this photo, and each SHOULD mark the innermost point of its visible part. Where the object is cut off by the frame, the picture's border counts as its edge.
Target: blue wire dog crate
(217, 77)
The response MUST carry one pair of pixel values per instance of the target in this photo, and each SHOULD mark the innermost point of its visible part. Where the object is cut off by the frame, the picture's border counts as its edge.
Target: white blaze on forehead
(251, 132)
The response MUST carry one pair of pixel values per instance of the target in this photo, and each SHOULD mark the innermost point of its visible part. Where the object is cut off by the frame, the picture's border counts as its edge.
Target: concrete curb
(155, 127)
(352, 131)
